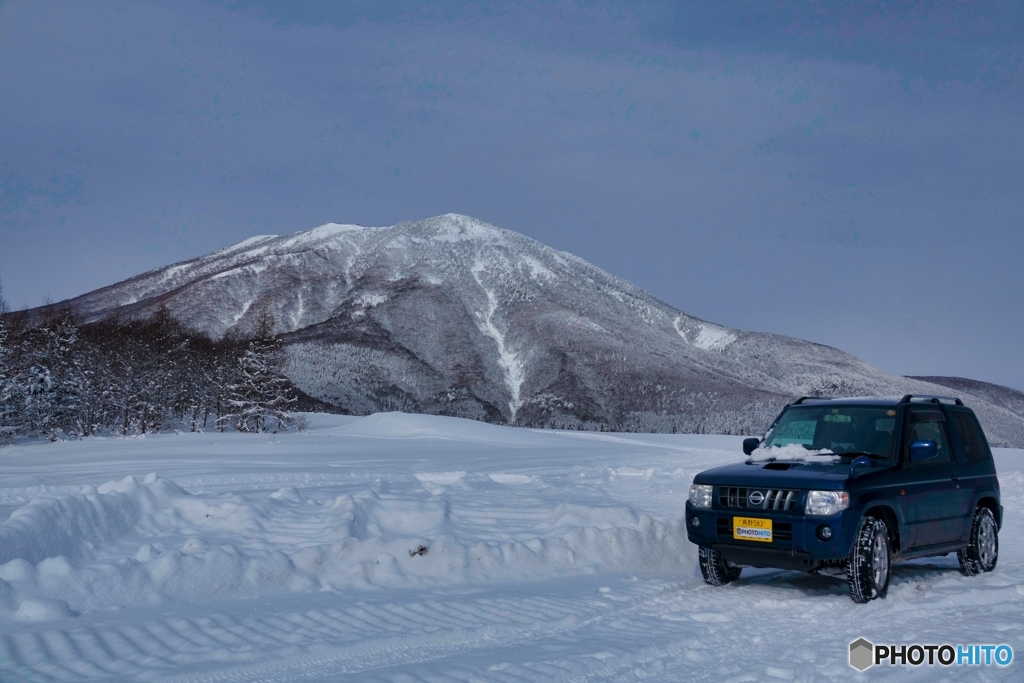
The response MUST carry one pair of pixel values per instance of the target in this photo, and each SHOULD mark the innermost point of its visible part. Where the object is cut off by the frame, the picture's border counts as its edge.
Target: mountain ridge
(451, 315)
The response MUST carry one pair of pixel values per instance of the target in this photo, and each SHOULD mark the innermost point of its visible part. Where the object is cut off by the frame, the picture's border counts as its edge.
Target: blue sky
(845, 173)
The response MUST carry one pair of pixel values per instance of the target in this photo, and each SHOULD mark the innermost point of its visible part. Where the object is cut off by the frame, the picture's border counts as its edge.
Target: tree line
(60, 379)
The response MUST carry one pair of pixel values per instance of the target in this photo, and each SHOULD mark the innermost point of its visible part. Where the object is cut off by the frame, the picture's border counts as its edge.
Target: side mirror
(923, 451)
(750, 445)
(860, 462)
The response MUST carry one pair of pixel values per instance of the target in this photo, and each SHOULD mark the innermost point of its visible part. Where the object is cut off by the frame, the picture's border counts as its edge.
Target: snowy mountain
(453, 316)
(996, 394)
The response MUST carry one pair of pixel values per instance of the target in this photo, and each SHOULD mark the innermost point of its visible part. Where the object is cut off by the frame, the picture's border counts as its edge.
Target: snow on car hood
(793, 453)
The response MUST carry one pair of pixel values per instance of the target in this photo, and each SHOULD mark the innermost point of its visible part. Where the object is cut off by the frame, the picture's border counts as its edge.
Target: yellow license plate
(752, 529)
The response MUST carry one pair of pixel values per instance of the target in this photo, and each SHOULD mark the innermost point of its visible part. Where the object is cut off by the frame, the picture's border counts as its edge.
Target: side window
(927, 425)
(971, 436)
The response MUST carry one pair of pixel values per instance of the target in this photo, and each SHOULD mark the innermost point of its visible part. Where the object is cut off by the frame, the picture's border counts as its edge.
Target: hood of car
(783, 475)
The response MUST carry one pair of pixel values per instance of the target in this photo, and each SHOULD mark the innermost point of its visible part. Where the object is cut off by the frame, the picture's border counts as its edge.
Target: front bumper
(796, 543)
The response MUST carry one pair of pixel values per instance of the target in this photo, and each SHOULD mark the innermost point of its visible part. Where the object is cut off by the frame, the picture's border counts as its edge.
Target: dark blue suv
(849, 486)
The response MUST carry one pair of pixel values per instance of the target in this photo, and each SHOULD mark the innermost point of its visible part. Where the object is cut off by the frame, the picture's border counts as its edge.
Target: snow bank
(130, 543)
(72, 525)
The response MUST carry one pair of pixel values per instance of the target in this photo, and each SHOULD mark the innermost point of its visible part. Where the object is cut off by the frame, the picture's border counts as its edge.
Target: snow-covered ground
(418, 548)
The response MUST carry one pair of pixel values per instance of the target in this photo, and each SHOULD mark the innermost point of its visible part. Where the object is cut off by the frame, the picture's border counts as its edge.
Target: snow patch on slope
(714, 338)
(455, 227)
(511, 366)
(538, 271)
(241, 246)
(370, 300)
(172, 271)
(321, 233)
(705, 335)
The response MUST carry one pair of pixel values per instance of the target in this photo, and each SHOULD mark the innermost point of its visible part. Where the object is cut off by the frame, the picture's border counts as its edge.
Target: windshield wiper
(855, 454)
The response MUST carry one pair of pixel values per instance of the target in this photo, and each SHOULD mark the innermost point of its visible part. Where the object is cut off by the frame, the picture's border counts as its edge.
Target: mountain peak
(456, 227)
(449, 227)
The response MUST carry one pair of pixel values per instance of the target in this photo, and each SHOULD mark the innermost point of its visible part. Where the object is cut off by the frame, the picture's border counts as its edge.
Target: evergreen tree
(259, 398)
(39, 399)
(54, 382)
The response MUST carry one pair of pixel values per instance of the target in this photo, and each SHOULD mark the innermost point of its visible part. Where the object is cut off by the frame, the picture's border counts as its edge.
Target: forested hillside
(59, 379)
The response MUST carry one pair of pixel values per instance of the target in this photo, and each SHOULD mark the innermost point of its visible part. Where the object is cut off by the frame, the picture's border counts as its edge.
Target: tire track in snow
(732, 634)
(299, 645)
(504, 628)
(682, 633)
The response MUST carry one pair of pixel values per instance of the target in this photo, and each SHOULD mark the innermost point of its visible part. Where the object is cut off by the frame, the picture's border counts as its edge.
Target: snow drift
(129, 543)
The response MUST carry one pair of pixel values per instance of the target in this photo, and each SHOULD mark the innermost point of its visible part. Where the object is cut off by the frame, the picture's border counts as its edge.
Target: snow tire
(717, 571)
(982, 552)
(869, 567)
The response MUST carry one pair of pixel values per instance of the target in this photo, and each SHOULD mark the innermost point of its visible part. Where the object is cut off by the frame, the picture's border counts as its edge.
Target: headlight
(825, 503)
(700, 495)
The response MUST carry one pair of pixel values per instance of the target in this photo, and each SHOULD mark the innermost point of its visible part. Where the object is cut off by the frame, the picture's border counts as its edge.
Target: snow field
(549, 556)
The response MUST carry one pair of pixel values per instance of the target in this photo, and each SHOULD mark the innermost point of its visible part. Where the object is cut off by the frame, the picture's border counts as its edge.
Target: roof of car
(876, 400)
(849, 400)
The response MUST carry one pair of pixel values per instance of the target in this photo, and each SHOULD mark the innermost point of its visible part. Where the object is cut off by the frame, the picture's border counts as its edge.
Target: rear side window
(971, 436)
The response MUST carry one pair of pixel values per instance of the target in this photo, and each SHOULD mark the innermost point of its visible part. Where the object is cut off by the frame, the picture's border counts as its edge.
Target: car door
(930, 496)
(975, 465)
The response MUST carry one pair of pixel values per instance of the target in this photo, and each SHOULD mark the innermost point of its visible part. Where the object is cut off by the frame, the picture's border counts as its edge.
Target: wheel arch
(888, 515)
(987, 501)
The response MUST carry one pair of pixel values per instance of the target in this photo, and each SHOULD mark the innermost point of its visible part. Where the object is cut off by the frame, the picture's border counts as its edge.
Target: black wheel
(716, 569)
(868, 569)
(983, 552)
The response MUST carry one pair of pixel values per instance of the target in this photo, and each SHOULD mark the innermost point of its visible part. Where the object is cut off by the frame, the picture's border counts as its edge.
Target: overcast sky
(849, 174)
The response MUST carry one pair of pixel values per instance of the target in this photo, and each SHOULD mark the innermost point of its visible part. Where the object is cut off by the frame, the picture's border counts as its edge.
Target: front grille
(738, 498)
(781, 531)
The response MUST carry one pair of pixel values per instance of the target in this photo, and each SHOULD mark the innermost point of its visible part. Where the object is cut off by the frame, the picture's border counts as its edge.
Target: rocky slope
(453, 316)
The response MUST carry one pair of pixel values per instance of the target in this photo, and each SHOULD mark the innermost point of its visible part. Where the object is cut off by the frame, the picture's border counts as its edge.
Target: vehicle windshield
(840, 429)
